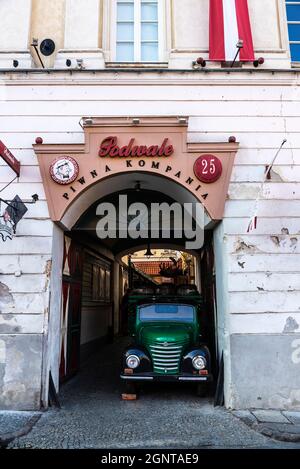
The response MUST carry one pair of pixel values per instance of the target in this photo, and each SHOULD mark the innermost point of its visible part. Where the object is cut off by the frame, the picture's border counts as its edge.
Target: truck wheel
(201, 390)
(130, 392)
(130, 388)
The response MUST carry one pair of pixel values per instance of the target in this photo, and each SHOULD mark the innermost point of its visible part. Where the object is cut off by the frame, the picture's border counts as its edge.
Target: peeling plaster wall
(25, 268)
(264, 280)
(20, 371)
(258, 273)
(267, 372)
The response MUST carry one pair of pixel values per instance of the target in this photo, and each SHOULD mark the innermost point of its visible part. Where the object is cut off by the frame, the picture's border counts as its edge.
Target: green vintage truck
(167, 338)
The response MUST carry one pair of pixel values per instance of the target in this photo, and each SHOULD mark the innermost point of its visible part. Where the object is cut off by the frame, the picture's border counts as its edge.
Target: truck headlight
(199, 362)
(132, 361)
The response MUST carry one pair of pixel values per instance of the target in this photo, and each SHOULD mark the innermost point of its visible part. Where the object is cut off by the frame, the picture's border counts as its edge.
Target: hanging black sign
(15, 211)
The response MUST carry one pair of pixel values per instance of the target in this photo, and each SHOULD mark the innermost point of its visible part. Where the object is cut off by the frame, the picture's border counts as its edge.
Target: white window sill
(136, 64)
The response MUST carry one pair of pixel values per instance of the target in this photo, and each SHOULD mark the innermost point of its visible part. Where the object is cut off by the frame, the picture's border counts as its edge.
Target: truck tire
(130, 388)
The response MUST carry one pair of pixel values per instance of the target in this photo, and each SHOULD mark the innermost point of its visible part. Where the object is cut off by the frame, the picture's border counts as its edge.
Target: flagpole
(253, 220)
(273, 161)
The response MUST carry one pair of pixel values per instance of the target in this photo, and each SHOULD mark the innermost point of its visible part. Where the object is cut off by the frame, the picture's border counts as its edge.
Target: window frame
(137, 32)
(166, 318)
(100, 282)
(290, 42)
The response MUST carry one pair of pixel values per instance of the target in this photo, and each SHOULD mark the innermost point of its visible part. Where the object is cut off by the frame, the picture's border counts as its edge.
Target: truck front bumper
(167, 378)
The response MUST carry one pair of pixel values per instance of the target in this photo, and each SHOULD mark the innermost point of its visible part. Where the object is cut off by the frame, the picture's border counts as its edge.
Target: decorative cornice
(144, 121)
(212, 147)
(162, 77)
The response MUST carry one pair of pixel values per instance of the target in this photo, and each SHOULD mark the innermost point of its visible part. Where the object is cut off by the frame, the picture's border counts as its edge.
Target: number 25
(212, 166)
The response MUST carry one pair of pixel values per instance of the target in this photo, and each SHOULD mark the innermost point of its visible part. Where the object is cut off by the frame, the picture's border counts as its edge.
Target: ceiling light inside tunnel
(148, 253)
(137, 186)
(182, 120)
(88, 121)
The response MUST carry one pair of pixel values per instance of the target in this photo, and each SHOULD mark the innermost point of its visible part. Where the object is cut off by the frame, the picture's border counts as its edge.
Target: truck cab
(167, 340)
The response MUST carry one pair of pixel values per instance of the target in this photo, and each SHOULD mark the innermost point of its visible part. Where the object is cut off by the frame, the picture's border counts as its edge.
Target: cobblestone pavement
(94, 416)
(16, 424)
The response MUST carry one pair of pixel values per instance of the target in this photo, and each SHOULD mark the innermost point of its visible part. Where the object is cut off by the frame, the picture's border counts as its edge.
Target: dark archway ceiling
(125, 182)
(86, 225)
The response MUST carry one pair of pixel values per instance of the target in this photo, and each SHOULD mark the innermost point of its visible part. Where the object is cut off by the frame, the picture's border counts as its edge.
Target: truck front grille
(166, 357)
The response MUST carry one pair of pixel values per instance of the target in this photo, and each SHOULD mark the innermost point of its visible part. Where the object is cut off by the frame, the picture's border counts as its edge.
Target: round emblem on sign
(64, 170)
(208, 168)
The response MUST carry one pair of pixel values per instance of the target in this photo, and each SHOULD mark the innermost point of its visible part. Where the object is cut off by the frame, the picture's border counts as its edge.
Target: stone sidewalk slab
(293, 417)
(270, 416)
(278, 425)
(245, 416)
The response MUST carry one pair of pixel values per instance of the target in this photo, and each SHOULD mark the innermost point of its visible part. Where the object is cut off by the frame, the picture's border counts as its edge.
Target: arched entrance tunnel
(97, 272)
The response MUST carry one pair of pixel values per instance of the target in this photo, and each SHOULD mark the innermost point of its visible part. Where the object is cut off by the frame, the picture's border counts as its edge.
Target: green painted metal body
(154, 335)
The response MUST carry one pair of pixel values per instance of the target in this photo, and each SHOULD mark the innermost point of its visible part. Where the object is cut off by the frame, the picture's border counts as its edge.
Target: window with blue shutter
(293, 17)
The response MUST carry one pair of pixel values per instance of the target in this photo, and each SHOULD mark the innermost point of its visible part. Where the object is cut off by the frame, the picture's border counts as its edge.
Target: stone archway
(171, 172)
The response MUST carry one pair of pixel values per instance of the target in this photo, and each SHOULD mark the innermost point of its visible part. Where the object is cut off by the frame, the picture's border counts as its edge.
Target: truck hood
(154, 333)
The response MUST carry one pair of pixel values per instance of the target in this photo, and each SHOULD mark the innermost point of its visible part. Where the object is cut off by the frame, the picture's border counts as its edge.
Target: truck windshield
(167, 312)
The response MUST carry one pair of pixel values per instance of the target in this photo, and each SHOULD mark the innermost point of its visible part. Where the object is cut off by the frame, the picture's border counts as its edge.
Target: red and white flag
(229, 22)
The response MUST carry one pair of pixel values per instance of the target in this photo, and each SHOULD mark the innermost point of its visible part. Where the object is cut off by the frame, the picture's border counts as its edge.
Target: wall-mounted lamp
(80, 64)
(136, 121)
(88, 121)
(148, 253)
(182, 120)
(137, 186)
